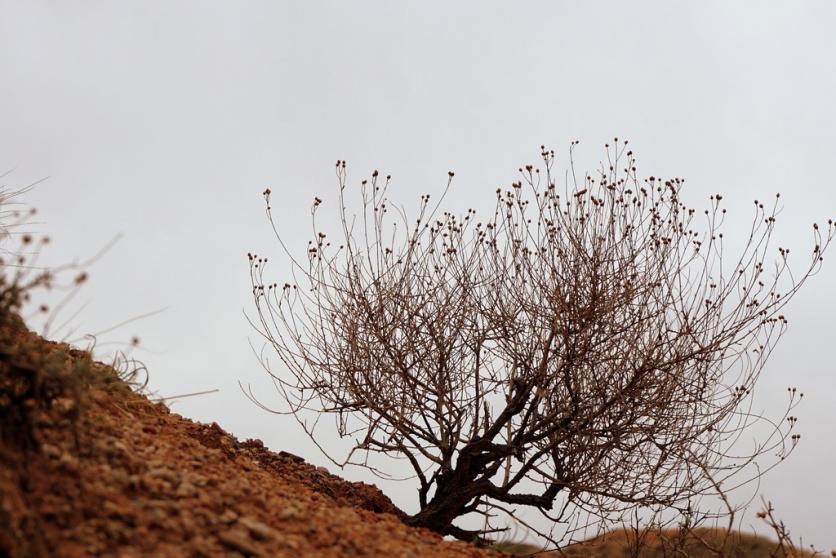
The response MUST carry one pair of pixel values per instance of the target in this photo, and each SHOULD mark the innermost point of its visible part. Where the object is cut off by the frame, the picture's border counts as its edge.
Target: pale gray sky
(164, 121)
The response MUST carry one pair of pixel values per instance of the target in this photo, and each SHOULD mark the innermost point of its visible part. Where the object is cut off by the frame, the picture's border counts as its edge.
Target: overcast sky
(165, 120)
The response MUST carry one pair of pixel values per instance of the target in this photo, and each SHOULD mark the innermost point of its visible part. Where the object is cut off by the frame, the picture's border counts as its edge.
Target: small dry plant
(693, 540)
(785, 547)
(33, 375)
(587, 348)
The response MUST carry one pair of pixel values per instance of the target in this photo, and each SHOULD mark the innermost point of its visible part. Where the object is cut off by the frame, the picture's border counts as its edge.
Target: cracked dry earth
(109, 473)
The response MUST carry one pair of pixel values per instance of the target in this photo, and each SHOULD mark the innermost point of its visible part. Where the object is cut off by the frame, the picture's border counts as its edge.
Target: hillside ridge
(100, 470)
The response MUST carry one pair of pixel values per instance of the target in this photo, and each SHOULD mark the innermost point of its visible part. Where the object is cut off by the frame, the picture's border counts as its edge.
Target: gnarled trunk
(455, 491)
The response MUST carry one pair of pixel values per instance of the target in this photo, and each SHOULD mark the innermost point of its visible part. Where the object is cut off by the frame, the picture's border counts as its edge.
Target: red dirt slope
(702, 542)
(90, 468)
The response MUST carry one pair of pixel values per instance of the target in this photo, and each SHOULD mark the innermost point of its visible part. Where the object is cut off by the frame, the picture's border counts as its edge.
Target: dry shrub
(588, 349)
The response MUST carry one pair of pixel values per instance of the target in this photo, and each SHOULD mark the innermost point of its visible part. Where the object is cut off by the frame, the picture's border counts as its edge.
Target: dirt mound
(702, 542)
(90, 468)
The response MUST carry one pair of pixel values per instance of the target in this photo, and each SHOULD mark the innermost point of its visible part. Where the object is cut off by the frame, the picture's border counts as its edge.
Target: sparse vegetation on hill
(90, 466)
(100, 470)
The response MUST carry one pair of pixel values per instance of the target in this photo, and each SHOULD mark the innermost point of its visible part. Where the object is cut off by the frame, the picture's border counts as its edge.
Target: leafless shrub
(584, 348)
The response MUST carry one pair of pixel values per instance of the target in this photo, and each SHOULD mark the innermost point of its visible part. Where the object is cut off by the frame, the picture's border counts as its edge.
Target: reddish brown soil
(702, 542)
(109, 473)
(698, 544)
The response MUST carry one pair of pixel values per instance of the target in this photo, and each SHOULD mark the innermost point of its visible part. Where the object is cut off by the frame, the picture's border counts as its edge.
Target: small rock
(119, 446)
(200, 549)
(111, 508)
(228, 516)
(65, 405)
(185, 490)
(247, 464)
(52, 452)
(158, 515)
(69, 461)
(257, 529)
(41, 418)
(238, 540)
(290, 511)
(134, 482)
(162, 473)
